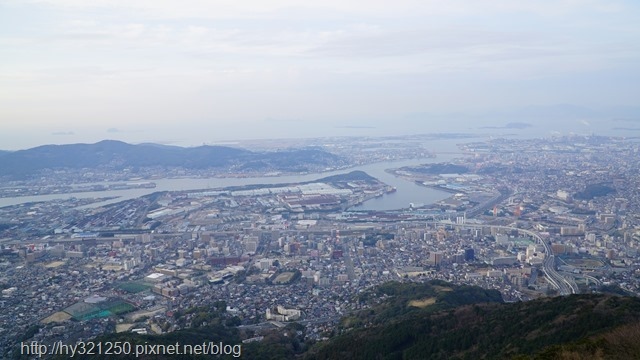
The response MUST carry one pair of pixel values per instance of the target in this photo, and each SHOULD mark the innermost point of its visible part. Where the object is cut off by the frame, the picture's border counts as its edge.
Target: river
(406, 191)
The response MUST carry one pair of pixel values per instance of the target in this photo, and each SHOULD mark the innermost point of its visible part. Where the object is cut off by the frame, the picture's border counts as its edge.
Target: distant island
(511, 125)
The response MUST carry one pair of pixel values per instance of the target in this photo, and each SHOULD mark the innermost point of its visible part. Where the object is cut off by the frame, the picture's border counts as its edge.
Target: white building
(283, 314)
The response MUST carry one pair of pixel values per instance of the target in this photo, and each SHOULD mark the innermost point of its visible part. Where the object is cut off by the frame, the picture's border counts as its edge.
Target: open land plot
(133, 287)
(123, 327)
(54, 264)
(134, 316)
(423, 303)
(60, 316)
(283, 278)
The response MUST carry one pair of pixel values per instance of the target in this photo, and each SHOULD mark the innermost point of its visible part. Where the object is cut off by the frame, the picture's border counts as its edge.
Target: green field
(99, 315)
(133, 287)
(110, 307)
(120, 307)
(82, 310)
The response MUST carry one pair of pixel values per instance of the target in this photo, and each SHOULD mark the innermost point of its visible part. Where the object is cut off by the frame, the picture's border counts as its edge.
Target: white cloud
(258, 8)
(117, 62)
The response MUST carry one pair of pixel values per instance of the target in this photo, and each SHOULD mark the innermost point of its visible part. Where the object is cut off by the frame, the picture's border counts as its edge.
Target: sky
(195, 72)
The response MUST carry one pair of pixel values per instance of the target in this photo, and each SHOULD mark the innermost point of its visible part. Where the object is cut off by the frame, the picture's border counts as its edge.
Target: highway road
(563, 285)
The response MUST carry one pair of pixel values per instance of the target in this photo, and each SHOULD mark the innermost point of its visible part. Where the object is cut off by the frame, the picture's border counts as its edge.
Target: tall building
(251, 246)
(435, 258)
(469, 254)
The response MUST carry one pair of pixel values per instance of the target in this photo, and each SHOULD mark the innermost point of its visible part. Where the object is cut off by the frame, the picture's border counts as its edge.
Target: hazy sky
(201, 71)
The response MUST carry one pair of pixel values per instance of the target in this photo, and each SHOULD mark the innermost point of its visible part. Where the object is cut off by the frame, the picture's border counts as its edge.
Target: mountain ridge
(575, 324)
(113, 154)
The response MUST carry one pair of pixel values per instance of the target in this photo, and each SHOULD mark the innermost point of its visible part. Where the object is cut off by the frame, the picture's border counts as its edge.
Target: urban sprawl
(530, 218)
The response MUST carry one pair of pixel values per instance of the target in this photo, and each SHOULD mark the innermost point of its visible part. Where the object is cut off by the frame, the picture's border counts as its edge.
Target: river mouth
(406, 191)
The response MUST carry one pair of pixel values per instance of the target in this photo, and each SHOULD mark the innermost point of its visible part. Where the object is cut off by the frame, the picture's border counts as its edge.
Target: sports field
(283, 278)
(85, 311)
(133, 287)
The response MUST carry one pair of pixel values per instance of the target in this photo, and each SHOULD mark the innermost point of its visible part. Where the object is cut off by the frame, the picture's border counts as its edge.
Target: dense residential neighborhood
(529, 218)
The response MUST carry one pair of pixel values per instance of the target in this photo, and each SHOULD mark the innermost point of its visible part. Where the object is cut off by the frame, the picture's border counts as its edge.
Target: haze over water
(194, 72)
